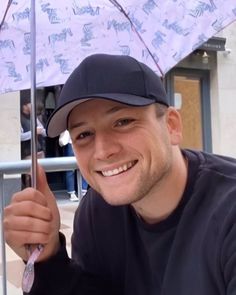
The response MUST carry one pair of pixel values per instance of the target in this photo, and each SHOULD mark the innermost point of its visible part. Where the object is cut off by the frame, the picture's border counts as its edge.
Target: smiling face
(124, 152)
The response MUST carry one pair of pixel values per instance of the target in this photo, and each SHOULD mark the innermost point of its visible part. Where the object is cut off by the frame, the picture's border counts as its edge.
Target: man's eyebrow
(109, 111)
(116, 109)
(76, 125)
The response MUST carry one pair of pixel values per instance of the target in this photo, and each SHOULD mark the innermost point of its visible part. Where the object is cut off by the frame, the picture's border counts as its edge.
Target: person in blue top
(157, 219)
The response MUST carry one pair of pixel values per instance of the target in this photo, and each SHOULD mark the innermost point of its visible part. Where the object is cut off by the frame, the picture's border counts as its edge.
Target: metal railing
(21, 167)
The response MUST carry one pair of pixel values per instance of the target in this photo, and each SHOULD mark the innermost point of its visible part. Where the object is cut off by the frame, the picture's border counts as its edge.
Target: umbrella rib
(122, 10)
(5, 13)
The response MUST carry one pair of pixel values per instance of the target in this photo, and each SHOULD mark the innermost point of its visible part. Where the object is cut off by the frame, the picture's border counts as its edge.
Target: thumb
(42, 183)
(43, 187)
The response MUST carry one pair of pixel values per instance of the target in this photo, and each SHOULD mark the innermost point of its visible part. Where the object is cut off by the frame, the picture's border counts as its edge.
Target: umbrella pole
(33, 117)
(28, 275)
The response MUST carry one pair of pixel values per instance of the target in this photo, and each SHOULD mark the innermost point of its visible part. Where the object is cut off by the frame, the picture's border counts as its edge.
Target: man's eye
(84, 135)
(124, 122)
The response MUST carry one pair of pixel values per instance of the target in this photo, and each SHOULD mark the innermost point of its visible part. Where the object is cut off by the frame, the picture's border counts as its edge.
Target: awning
(214, 44)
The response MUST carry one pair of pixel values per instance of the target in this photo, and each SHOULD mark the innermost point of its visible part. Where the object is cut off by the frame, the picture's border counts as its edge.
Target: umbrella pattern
(158, 33)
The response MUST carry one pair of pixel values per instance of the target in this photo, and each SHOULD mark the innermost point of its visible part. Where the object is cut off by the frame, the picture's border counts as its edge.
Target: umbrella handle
(28, 275)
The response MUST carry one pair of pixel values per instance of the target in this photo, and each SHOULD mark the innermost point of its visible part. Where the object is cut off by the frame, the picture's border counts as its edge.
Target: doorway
(189, 92)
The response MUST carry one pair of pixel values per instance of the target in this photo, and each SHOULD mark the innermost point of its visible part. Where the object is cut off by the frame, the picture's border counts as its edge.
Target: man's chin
(117, 200)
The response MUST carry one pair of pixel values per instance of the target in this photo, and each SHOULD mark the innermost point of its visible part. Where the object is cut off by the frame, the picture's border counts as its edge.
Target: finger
(28, 208)
(41, 181)
(27, 224)
(42, 184)
(29, 194)
(17, 239)
(43, 187)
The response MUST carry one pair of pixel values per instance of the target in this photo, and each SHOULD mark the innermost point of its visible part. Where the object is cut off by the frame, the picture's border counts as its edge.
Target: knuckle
(32, 193)
(28, 221)
(10, 237)
(48, 228)
(15, 197)
(7, 211)
(6, 223)
(31, 207)
(7, 236)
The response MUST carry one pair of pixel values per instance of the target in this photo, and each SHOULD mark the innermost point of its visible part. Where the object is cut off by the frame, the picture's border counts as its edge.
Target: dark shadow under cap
(115, 77)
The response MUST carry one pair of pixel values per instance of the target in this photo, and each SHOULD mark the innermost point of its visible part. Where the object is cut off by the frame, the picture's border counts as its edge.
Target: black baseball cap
(119, 78)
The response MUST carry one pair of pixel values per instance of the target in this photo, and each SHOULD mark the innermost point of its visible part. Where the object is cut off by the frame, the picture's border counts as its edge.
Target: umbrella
(159, 33)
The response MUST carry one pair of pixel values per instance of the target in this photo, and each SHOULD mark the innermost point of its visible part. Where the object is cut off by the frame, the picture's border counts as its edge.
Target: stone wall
(10, 139)
(223, 96)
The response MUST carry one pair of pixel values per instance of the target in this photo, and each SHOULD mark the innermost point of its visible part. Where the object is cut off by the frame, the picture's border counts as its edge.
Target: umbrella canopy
(158, 33)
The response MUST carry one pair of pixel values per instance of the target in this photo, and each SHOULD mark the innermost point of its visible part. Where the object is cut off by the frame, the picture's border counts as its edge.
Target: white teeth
(117, 170)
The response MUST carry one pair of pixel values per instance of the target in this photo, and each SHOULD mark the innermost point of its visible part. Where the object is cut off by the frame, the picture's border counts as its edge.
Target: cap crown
(115, 77)
(112, 74)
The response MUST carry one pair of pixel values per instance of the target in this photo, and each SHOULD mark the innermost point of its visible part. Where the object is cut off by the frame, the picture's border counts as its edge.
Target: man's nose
(106, 145)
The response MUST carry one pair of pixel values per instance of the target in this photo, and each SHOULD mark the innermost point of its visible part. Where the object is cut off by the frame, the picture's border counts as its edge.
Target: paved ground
(14, 264)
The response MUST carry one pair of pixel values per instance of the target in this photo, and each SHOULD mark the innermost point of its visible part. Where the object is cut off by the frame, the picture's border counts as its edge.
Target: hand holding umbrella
(34, 215)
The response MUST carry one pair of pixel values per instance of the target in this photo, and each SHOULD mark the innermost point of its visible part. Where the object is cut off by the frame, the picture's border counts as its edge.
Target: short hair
(160, 109)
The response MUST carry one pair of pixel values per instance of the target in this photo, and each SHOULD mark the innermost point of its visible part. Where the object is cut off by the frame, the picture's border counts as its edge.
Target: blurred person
(71, 184)
(26, 135)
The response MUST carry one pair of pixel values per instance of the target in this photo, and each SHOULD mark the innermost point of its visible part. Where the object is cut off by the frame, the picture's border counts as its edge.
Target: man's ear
(174, 125)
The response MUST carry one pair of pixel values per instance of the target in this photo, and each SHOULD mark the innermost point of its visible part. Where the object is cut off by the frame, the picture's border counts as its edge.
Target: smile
(118, 170)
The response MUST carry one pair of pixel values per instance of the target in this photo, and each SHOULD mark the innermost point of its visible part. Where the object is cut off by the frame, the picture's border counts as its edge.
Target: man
(156, 220)
(26, 130)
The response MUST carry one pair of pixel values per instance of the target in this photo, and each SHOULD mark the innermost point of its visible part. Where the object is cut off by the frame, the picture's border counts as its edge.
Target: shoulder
(214, 186)
(213, 163)
(213, 201)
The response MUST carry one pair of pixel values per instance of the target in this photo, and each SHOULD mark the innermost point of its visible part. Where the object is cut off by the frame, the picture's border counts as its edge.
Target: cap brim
(57, 122)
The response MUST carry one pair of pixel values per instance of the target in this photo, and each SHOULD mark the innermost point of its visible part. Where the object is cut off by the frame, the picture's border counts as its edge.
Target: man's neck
(160, 203)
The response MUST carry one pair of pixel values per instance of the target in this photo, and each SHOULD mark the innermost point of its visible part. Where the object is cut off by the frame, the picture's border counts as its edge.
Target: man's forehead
(84, 112)
(96, 104)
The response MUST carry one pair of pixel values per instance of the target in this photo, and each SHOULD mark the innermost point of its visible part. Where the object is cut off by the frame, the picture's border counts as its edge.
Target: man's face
(27, 108)
(123, 152)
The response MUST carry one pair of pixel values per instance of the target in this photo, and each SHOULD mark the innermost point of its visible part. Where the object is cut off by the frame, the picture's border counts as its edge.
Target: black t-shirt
(193, 251)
